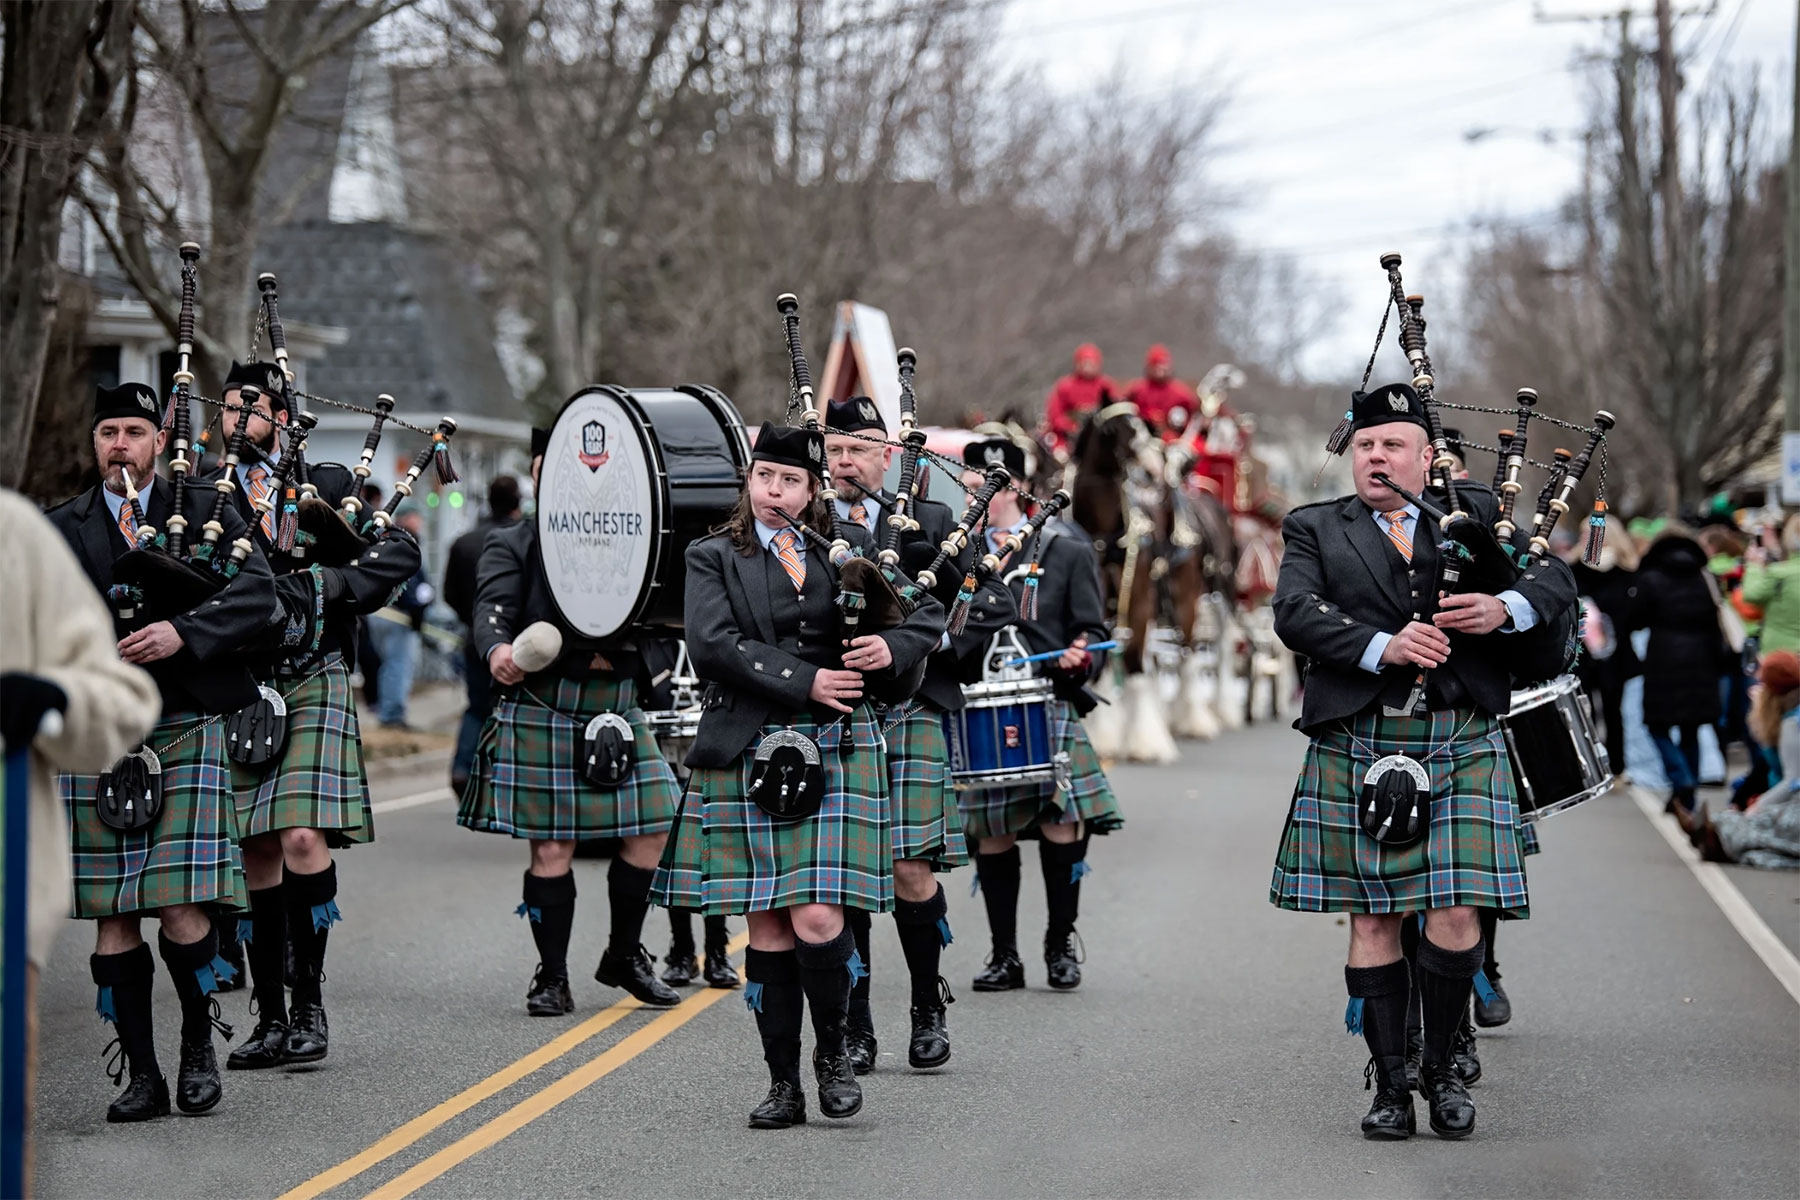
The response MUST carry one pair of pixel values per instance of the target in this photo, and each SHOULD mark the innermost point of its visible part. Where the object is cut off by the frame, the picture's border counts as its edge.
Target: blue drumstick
(1049, 654)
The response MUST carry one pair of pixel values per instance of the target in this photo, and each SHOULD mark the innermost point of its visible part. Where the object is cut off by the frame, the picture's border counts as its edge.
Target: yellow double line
(520, 1114)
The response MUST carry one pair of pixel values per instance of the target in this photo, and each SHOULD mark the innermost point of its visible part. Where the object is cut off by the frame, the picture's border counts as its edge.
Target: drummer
(529, 780)
(928, 835)
(1070, 615)
(763, 632)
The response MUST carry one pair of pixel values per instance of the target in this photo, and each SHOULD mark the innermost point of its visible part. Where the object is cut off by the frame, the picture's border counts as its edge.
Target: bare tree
(63, 63)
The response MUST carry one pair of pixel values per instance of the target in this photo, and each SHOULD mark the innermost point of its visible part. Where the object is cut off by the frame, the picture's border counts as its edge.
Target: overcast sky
(1346, 132)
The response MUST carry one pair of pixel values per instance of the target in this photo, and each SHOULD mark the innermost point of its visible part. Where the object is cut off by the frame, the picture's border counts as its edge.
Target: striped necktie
(127, 525)
(258, 479)
(786, 546)
(859, 514)
(1396, 531)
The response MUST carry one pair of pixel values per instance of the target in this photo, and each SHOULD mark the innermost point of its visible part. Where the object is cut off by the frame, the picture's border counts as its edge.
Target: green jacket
(1775, 588)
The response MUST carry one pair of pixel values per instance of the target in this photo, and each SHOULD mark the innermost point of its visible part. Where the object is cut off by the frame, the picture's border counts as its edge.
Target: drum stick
(1050, 654)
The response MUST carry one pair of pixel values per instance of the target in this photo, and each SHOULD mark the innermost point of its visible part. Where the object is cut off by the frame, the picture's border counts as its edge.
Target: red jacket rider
(1159, 395)
(1076, 396)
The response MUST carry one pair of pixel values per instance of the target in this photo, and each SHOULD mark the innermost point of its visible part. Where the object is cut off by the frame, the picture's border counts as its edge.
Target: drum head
(601, 505)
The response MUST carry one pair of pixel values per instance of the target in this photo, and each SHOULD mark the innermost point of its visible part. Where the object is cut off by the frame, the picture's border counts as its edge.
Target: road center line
(541, 1102)
(1746, 920)
(412, 801)
(423, 1124)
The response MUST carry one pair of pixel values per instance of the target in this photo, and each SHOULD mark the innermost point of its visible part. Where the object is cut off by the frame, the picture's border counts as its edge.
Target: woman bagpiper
(763, 630)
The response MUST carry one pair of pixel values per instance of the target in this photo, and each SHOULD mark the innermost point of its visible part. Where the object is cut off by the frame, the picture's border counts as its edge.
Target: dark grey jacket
(754, 672)
(1069, 605)
(992, 610)
(1342, 581)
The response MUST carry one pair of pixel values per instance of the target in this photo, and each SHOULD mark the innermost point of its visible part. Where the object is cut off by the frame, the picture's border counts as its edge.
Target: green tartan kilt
(927, 823)
(1469, 855)
(318, 783)
(1528, 839)
(727, 856)
(1021, 809)
(189, 856)
(526, 780)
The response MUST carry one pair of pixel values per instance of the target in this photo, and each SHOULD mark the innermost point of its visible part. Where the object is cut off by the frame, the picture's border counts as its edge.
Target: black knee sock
(718, 937)
(312, 911)
(999, 875)
(1490, 925)
(124, 981)
(681, 933)
(549, 904)
(628, 892)
(1064, 863)
(825, 977)
(772, 991)
(857, 921)
(1410, 933)
(1446, 977)
(194, 968)
(923, 930)
(266, 951)
(1378, 1002)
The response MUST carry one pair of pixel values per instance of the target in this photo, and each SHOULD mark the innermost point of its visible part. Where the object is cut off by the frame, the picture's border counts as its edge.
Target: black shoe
(718, 971)
(309, 1037)
(198, 1088)
(840, 1095)
(145, 1098)
(1415, 1057)
(265, 1047)
(1463, 1056)
(1004, 973)
(1059, 957)
(1490, 1014)
(548, 995)
(1452, 1112)
(632, 972)
(683, 968)
(785, 1105)
(1391, 1116)
(860, 1048)
(233, 953)
(930, 1039)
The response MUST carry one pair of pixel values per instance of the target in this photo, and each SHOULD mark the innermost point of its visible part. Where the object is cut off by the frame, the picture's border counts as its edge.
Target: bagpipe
(1476, 558)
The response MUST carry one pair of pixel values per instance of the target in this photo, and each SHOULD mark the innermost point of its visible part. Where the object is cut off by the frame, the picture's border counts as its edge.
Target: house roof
(417, 328)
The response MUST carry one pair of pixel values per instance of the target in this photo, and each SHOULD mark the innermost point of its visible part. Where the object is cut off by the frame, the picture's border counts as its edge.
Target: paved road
(1652, 1052)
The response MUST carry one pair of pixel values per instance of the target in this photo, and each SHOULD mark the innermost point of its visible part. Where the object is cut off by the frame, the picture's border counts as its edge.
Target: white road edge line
(412, 801)
(1746, 920)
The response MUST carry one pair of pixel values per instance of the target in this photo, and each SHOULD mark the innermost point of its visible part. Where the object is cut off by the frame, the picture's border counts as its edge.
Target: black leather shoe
(1463, 1055)
(309, 1037)
(548, 995)
(1452, 1112)
(1059, 957)
(632, 972)
(860, 1048)
(1415, 1057)
(785, 1105)
(930, 1039)
(233, 953)
(265, 1047)
(1391, 1116)
(682, 968)
(198, 1088)
(1004, 973)
(1490, 1014)
(840, 1095)
(718, 971)
(145, 1098)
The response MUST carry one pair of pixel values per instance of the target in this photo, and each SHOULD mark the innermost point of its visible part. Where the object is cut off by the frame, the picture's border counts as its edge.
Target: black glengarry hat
(790, 446)
(1383, 406)
(540, 441)
(126, 400)
(854, 415)
(996, 452)
(264, 375)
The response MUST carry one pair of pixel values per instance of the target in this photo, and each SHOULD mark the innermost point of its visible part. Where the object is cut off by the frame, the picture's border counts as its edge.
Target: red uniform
(1072, 400)
(1156, 398)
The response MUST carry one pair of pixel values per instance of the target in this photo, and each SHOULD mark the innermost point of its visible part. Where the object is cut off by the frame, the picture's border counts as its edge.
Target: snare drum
(677, 725)
(1556, 759)
(1002, 735)
(675, 732)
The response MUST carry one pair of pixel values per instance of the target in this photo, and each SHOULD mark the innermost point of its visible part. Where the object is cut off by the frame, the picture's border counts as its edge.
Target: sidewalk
(434, 711)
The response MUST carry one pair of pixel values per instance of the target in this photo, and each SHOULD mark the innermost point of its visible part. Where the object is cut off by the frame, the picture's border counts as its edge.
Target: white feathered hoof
(1147, 737)
(1193, 714)
(1229, 697)
(1105, 725)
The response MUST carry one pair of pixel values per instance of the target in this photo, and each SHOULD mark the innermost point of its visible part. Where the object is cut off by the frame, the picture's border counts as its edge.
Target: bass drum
(630, 477)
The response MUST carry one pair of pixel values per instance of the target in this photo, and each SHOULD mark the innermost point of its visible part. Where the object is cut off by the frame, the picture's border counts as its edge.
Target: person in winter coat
(1685, 657)
(1609, 659)
(1768, 834)
(1774, 587)
(59, 655)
